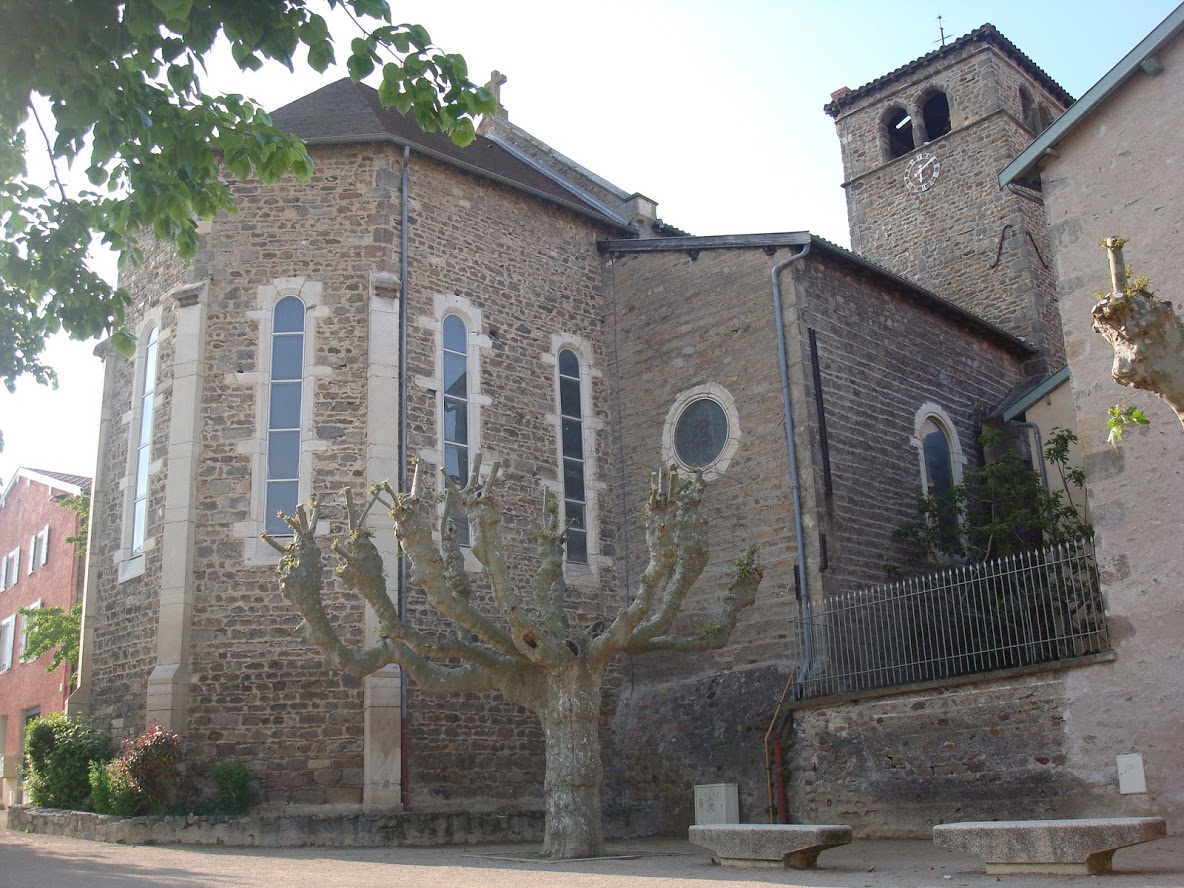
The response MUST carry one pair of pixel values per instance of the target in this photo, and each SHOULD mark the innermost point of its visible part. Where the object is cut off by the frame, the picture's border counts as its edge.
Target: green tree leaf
(122, 76)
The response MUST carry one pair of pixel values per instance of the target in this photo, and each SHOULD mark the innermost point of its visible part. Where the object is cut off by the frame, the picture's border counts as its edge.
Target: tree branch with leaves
(520, 642)
(121, 84)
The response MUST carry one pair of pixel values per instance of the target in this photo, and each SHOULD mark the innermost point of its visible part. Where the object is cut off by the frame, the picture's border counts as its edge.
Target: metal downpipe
(404, 190)
(794, 484)
(776, 799)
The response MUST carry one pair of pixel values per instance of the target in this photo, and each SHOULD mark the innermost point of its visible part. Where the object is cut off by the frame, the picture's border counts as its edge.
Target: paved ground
(32, 861)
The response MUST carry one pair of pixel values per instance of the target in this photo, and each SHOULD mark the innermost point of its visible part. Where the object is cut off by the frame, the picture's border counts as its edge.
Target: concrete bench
(1072, 847)
(795, 845)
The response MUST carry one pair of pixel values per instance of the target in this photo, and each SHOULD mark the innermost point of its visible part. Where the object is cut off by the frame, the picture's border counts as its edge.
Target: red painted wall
(25, 509)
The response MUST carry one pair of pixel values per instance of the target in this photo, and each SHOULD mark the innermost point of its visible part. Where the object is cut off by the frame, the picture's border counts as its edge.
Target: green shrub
(235, 790)
(144, 779)
(111, 791)
(58, 756)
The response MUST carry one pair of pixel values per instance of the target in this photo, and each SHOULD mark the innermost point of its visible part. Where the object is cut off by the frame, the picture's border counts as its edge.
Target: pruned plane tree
(525, 646)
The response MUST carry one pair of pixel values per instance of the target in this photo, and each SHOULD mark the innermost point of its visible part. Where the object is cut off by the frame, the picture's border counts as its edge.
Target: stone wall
(894, 766)
(680, 322)
(339, 830)
(883, 355)
(123, 590)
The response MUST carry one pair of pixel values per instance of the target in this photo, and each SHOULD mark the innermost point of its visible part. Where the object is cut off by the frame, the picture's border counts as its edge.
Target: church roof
(988, 33)
(346, 112)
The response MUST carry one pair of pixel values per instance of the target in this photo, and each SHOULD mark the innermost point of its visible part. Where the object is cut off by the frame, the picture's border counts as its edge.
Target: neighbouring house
(554, 322)
(1112, 166)
(39, 567)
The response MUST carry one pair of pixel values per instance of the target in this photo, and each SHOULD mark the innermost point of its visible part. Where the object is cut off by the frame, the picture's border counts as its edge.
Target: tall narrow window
(575, 503)
(456, 409)
(939, 477)
(39, 549)
(144, 443)
(936, 115)
(283, 417)
(899, 129)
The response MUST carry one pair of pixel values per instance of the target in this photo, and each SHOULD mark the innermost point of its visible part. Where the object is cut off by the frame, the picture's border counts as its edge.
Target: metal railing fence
(1039, 606)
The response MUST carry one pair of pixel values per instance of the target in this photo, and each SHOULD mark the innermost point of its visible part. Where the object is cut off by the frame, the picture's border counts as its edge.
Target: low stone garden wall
(353, 830)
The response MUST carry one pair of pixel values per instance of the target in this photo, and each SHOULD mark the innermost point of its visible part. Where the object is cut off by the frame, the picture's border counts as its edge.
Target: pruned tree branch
(485, 517)
(550, 590)
(428, 570)
(1147, 334)
(741, 594)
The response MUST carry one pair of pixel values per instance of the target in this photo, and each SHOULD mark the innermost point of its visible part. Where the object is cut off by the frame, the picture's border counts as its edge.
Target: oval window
(700, 433)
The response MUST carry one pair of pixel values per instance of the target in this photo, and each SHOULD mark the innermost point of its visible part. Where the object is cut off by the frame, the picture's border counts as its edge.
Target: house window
(898, 127)
(935, 114)
(286, 392)
(144, 443)
(9, 566)
(571, 417)
(7, 628)
(455, 407)
(39, 549)
(24, 642)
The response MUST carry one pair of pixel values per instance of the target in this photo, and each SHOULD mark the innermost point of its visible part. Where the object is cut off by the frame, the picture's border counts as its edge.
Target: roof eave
(1093, 97)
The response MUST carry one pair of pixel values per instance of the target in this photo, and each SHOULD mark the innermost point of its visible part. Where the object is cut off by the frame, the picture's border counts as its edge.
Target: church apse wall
(526, 279)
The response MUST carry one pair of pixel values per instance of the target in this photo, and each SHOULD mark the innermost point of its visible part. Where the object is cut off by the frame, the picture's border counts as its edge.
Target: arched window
(939, 474)
(574, 492)
(455, 420)
(898, 127)
(144, 442)
(1028, 112)
(284, 409)
(1045, 117)
(936, 115)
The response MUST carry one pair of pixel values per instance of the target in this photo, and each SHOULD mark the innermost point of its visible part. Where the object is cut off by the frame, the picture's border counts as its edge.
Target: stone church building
(418, 300)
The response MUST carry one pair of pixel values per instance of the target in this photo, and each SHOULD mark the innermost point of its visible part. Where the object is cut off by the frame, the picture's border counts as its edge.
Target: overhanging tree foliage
(119, 88)
(531, 650)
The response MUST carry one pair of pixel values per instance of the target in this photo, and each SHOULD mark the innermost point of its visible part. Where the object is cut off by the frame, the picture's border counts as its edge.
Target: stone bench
(795, 845)
(1073, 847)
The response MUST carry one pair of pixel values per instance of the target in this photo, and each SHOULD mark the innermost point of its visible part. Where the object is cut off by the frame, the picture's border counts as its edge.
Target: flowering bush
(146, 777)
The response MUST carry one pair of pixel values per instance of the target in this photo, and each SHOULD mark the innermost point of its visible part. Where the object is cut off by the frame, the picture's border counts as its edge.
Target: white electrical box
(716, 803)
(1131, 778)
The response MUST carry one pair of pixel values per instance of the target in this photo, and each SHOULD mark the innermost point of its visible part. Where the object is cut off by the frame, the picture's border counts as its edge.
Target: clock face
(922, 171)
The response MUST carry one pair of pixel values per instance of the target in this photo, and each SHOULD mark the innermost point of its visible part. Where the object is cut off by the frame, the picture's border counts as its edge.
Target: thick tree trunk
(570, 716)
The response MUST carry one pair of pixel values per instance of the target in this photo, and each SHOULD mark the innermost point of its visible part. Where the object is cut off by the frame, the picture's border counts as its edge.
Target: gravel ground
(34, 861)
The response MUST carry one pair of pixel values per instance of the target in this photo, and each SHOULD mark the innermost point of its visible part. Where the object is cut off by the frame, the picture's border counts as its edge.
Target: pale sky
(712, 109)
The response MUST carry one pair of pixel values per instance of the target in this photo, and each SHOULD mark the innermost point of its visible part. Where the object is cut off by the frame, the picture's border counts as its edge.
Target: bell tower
(921, 148)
